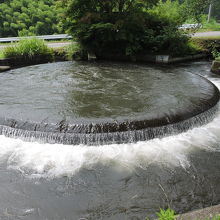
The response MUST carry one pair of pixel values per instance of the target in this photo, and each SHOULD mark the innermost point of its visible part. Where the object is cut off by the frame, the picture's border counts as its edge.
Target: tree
(169, 9)
(195, 8)
(216, 9)
(28, 17)
(120, 27)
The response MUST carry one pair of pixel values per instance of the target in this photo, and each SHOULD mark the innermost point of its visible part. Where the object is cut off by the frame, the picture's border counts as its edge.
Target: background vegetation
(28, 17)
(124, 27)
(111, 26)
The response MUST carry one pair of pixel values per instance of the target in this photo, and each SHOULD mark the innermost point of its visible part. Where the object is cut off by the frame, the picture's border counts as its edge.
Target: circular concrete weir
(99, 103)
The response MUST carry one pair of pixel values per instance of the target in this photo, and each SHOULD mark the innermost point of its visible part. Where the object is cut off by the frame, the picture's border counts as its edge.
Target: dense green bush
(127, 29)
(72, 51)
(28, 49)
(28, 17)
(169, 9)
(207, 44)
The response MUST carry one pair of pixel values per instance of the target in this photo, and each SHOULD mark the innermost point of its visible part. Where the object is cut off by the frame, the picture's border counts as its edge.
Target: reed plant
(28, 48)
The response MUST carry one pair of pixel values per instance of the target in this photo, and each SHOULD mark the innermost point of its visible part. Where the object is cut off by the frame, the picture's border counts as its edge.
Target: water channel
(114, 181)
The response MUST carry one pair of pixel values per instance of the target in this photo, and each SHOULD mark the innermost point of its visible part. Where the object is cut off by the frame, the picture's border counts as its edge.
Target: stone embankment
(201, 214)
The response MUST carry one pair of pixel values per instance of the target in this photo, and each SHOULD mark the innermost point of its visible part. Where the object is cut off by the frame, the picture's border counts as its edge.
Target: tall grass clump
(72, 51)
(28, 49)
(1, 55)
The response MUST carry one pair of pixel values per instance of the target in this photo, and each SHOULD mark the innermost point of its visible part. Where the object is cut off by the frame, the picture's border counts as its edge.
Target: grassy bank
(1, 54)
(30, 48)
(210, 45)
(27, 49)
(35, 51)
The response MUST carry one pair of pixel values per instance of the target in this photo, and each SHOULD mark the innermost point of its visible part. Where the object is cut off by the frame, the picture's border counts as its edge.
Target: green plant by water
(28, 49)
(169, 214)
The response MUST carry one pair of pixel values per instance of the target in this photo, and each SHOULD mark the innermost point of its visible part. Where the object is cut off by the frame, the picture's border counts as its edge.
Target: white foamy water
(55, 160)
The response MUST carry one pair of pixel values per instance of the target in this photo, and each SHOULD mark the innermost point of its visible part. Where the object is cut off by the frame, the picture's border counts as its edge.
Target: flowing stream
(112, 182)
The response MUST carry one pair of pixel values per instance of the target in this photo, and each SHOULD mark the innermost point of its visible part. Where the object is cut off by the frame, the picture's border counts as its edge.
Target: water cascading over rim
(103, 103)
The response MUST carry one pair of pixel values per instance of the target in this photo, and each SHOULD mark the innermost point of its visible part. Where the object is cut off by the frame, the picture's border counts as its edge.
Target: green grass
(212, 26)
(27, 48)
(208, 45)
(167, 214)
(6, 44)
(31, 47)
(1, 55)
(70, 52)
(208, 38)
(208, 29)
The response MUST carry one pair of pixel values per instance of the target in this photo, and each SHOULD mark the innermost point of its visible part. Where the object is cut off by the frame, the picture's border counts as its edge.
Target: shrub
(209, 45)
(28, 49)
(216, 54)
(123, 28)
(1, 55)
(70, 52)
(74, 51)
(169, 9)
(130, 35)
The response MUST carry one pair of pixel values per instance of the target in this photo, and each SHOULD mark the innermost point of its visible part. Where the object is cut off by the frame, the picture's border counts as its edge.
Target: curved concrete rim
(116, 126)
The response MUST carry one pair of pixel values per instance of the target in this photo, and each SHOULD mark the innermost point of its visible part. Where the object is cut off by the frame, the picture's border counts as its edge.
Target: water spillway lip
(155, 105)
(110, 137)
(102, 126)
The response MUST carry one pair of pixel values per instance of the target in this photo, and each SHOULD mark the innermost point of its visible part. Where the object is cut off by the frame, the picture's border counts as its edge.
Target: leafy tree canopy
(121, 26)
(195, 8)
(216, 9)
(28, 17)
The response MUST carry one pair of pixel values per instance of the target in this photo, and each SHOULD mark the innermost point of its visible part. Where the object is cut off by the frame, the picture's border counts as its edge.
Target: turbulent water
(117, 182)
(102, 103)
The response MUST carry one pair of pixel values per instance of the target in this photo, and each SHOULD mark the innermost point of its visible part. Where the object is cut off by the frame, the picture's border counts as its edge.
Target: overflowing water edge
(116, 181)
(54, 160)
